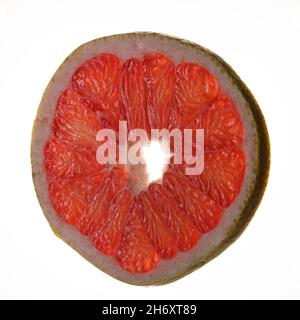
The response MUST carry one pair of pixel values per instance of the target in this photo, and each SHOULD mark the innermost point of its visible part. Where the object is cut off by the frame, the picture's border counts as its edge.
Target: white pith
(127, 46)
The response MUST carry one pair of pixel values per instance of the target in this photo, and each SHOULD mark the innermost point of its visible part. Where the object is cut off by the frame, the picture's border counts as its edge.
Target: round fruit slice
(141, 228)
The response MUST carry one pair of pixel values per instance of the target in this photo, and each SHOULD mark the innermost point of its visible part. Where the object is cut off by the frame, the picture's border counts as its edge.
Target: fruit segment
(62, 161)
(203, 210)
(157, 229)
(108, 236)
(223, 175)
(180, 225)
(75, 122)
(195, 89)
(71, 198)
(97, 81)
(136, 252)
(222, 124)
(160, 77)
(133, 95)
(91, 219)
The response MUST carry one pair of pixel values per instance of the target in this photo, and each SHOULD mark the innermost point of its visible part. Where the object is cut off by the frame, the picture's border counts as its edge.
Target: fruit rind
(262, 163)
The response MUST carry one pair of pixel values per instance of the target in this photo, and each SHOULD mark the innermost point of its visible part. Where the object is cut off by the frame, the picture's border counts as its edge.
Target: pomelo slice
(148, 233)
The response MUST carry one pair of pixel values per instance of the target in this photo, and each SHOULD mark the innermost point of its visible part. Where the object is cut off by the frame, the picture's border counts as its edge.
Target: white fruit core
(156, 160)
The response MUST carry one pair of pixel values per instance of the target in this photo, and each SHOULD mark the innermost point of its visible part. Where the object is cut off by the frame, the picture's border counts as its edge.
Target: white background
(259, 39)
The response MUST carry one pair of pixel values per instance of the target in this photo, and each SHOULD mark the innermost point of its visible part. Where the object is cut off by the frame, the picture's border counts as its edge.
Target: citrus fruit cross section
(139, 229)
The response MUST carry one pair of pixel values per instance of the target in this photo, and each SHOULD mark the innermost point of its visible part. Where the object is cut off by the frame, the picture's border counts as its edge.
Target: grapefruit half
(139, 230)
